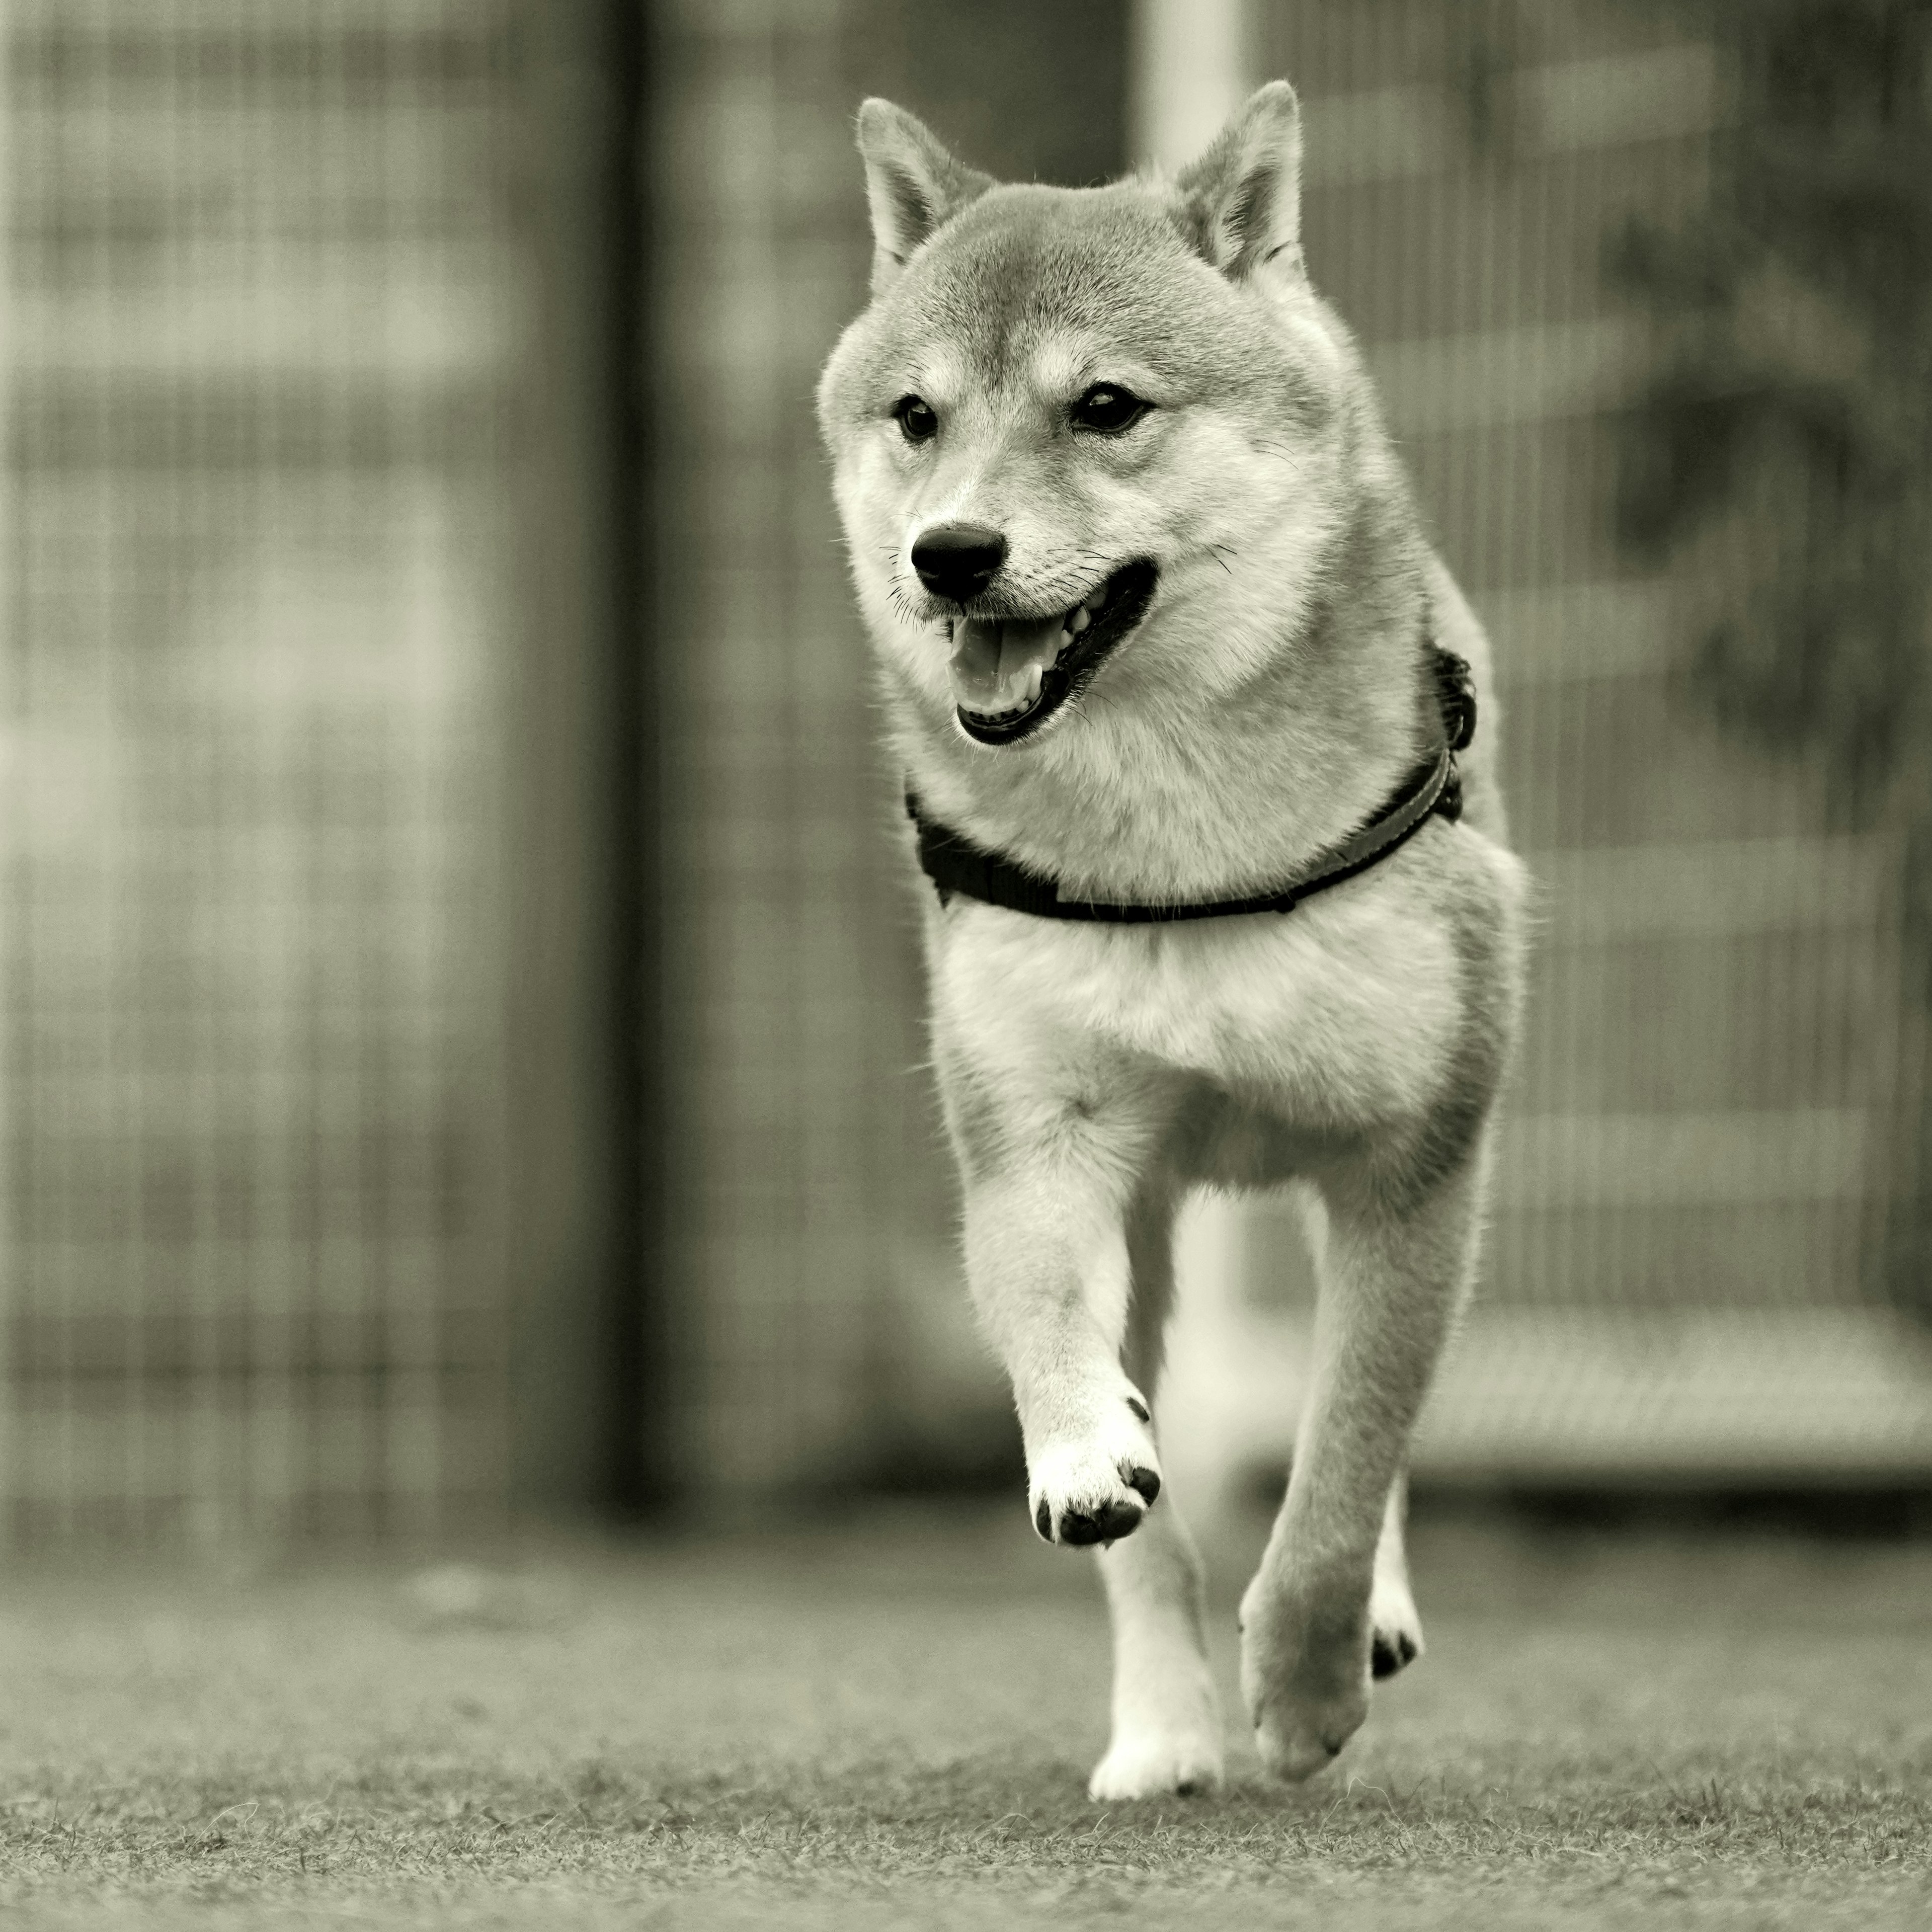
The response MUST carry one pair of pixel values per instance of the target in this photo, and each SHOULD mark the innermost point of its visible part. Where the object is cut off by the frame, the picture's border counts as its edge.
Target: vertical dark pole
(583, 1212)
(635, 1461)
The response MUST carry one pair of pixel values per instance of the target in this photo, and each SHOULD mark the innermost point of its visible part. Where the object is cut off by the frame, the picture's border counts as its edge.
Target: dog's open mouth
(1011, 674)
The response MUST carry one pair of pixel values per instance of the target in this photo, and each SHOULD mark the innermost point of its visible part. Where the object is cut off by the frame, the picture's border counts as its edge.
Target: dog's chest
(1352, 1004)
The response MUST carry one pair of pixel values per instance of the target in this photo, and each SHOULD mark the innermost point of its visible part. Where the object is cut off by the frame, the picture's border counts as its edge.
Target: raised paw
(1096, 1490)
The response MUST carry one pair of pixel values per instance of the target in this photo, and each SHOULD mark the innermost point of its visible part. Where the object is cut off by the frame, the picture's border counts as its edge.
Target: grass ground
(888, 1723)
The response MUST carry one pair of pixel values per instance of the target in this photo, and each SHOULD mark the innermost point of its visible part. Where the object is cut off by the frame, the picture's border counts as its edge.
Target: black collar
(955, 864)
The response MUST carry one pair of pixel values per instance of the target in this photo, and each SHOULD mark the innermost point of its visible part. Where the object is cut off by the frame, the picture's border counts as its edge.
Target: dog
(1217, 890)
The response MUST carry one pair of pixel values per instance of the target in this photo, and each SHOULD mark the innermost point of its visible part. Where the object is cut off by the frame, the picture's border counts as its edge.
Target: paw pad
(1387, 1655)
(1107, 1524)
(1096, 1490)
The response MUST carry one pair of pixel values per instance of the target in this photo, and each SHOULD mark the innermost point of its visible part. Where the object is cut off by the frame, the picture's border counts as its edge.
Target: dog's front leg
(1167, 1722)
(1046, 1197)
(1069, 1218)
(1392, 1274)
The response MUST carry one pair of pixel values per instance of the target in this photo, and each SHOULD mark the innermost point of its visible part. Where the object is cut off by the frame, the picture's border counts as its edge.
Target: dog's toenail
(1383, 1661)
(1187, 1788)
(1138, 1407)
(1081, 1530)
(1043, 1521)
(1333, 1750)
(1406, 1646)
(1145, 1481)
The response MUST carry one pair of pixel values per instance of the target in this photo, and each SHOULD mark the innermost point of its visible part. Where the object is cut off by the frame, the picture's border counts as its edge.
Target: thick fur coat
(1057, 399)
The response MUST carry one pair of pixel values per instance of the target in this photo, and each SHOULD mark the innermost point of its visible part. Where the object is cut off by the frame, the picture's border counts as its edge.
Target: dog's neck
(1203, 797)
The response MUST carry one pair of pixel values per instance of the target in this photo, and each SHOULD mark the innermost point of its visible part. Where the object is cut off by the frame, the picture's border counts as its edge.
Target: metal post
(1188, 70)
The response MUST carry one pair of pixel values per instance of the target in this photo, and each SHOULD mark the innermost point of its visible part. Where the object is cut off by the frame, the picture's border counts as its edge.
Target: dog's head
(1085, 435)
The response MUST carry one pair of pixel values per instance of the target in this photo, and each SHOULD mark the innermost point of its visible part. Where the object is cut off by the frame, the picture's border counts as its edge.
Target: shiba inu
(1178, 687)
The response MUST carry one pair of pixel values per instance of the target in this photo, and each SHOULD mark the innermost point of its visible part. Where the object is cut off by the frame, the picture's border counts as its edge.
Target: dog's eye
(917, 418)
(1109, 409)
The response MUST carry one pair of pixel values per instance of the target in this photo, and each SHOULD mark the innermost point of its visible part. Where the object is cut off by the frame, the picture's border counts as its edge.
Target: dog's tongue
(997, 664)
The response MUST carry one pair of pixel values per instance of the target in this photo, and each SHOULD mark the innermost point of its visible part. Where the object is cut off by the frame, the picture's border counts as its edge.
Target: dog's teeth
(1080, 619)
(1035, 673)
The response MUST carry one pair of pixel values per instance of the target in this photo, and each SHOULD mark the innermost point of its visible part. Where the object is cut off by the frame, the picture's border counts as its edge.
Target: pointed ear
(1245, 192)
(912, 184)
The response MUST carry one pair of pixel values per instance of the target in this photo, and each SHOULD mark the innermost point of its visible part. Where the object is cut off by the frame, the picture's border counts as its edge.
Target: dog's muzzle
(1011, 674)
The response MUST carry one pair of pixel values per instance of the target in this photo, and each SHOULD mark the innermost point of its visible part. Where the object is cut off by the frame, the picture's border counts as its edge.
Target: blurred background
(460, 1037)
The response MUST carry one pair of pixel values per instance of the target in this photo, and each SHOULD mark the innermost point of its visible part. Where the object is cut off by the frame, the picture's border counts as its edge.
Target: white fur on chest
(1345, 1007)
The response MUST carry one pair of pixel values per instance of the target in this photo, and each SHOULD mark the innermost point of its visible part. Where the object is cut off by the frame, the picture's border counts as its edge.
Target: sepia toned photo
(966, 966)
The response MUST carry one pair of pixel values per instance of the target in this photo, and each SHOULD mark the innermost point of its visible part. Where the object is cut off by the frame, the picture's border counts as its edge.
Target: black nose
(958, 560)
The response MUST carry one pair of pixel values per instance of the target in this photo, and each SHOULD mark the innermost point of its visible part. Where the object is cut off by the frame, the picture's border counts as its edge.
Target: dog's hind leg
(1395, 1630)
(1393, 1272)
(1166, 1722)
